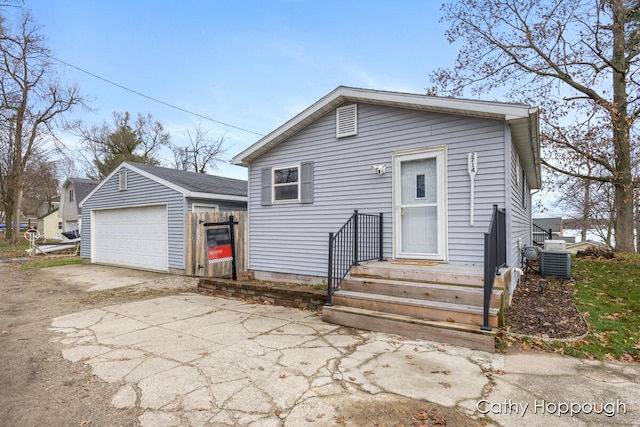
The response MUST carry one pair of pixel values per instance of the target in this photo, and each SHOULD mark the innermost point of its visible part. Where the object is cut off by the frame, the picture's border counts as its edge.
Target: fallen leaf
(422, 415)
(340, 420)
(500, 372)
(352, 378)
(409, 356)
(282, 376)
(444, 384)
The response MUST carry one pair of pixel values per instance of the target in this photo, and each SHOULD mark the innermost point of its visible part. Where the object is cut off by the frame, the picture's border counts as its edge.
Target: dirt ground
(40, 388)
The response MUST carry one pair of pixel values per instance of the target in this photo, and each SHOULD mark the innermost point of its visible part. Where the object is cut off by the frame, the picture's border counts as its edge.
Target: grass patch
(50, 262)
(7, 250)
(607, 293)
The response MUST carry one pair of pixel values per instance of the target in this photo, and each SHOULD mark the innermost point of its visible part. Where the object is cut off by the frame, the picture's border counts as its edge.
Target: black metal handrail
(538, 232)
(359, 239)
(495, 257)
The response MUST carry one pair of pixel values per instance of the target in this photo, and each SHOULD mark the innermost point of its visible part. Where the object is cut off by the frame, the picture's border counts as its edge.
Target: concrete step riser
(425, 291)
(419, 312)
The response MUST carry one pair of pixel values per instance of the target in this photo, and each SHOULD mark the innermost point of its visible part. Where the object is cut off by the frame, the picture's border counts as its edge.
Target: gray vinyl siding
(223, 205)
(141, 191)
(292, 238)
(520, 213)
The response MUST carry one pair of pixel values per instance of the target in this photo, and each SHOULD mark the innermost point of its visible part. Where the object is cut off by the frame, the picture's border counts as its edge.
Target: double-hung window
(286, 184)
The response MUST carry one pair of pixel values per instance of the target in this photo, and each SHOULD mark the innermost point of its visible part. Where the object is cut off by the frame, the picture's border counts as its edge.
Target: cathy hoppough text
(509, 407)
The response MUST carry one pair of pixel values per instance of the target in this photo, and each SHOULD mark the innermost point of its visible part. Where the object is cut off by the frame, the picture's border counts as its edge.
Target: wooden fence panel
(197, 263)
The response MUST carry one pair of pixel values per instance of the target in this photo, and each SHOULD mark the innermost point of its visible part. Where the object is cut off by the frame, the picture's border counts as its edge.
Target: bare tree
(202, 152)
(578, 59)
(41, 184)
(31, 102)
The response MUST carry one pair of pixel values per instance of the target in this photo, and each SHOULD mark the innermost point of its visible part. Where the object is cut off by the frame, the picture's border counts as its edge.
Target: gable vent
(347, 121)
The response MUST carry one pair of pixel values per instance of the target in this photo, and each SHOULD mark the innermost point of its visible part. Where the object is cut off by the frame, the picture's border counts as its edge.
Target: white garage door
(131, 237)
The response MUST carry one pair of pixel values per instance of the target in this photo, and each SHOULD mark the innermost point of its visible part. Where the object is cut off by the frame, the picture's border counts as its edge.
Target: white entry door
(419, 205)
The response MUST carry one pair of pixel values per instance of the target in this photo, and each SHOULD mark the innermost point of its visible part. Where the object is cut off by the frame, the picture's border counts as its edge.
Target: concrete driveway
(194, 360)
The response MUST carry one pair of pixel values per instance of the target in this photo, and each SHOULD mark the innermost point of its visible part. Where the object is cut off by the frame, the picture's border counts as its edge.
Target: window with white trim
(122, 180)
(71, 195)
(286, 184)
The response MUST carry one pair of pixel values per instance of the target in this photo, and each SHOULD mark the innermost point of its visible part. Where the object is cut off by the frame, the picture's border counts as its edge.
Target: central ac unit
(555, 263)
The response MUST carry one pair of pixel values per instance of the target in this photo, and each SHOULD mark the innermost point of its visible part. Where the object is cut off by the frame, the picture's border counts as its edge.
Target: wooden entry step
(417, 308)
(457, 294)
(451, 333)
(439, 273)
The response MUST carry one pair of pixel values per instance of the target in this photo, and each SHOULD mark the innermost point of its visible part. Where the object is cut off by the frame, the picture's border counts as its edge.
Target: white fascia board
(462, 106)
(212, 196)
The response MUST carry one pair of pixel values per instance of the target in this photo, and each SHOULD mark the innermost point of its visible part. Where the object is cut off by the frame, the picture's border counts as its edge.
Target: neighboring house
(415, 159)
(50, 225)
(136, 216)
(49, 206)
(73, 191)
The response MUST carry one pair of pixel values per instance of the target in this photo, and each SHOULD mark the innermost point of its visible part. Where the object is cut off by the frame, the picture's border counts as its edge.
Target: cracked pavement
(195, 360)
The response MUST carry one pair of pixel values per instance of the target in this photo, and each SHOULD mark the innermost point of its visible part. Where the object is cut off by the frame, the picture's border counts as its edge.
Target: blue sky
(251, 64)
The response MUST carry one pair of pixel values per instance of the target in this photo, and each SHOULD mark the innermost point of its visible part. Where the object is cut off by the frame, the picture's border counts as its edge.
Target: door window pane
(415, 189)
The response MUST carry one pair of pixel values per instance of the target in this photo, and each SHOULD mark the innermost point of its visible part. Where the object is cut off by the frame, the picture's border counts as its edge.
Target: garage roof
(190, 184)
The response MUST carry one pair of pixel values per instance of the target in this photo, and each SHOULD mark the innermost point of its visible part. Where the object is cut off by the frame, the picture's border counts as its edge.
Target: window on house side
(71, 195)
(286, 185)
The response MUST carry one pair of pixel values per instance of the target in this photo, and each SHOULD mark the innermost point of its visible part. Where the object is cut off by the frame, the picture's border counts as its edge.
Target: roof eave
(485, 109)
(526, 137)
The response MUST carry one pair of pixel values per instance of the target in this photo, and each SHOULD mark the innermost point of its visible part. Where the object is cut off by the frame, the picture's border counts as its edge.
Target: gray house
(73, 191)
(307, 177)
(136, 216)
(434, 167)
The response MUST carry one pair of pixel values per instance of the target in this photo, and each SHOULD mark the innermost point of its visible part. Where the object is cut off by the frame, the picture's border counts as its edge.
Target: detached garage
(136, 216)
